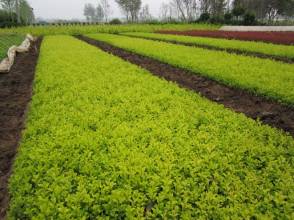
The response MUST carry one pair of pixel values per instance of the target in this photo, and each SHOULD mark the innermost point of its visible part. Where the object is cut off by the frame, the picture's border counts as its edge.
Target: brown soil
(234, 51)
(15, 94)
(269, 112)
(286, 38)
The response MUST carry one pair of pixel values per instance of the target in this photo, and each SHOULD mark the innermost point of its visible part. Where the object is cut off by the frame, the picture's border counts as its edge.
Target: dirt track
(15, 94)
(269, 112)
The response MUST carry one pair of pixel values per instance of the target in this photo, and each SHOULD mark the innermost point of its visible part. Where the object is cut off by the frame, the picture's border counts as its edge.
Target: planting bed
(268, 78)
(15, 93)
(106, 139)
(269, 112)
(286, 38)
(262, 50)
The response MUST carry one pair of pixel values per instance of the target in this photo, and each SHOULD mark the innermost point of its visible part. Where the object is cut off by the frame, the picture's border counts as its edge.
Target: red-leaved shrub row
(271, 37)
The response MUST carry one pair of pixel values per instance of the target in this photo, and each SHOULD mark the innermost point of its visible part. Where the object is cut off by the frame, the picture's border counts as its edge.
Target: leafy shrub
(238, 11)
(204, 17)
(6, 20)
(115, 21)
(217, 19)
(228, 17)
(249, 19)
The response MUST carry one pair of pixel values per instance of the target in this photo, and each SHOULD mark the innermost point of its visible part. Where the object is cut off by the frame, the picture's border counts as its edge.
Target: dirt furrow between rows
(269, 112)
(15, 94)
(233, 51)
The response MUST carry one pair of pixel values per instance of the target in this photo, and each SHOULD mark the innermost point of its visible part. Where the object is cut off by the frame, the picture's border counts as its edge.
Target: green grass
(84, 29)
(105, 138)
(260, 76)
(244, 46)
(8, 40)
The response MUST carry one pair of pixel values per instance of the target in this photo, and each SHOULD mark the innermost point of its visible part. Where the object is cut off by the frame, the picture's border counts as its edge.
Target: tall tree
(218, 7)
(21, 8)
(267, 9)
(89, 12)
(286, 8)
(106, 9)
(145, 14)
(205, 6)
(99, 13)
(26, 12)
(166, 12)
(186, 9)
(130, 8)
(214, 7)
(9, 6)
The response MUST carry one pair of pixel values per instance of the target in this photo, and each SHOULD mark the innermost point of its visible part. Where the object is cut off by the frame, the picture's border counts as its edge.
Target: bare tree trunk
(179, 8)
(17, 5)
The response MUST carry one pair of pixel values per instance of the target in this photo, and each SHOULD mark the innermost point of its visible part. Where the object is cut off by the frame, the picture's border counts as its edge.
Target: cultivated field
(137, 125)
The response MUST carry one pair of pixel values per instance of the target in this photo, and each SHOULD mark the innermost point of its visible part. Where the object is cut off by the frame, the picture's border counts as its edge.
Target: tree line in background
(132, 9)
(15, 13)
(247, 12)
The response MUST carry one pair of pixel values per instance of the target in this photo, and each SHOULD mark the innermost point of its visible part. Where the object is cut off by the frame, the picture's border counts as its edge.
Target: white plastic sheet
(258, 28)
(7, 63)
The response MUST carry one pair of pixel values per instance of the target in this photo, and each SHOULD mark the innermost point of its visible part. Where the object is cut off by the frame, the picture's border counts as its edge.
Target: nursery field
(119, 122)
(107, 139)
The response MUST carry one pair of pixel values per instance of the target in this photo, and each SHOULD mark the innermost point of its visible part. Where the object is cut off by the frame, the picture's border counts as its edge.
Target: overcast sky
(69, 9)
